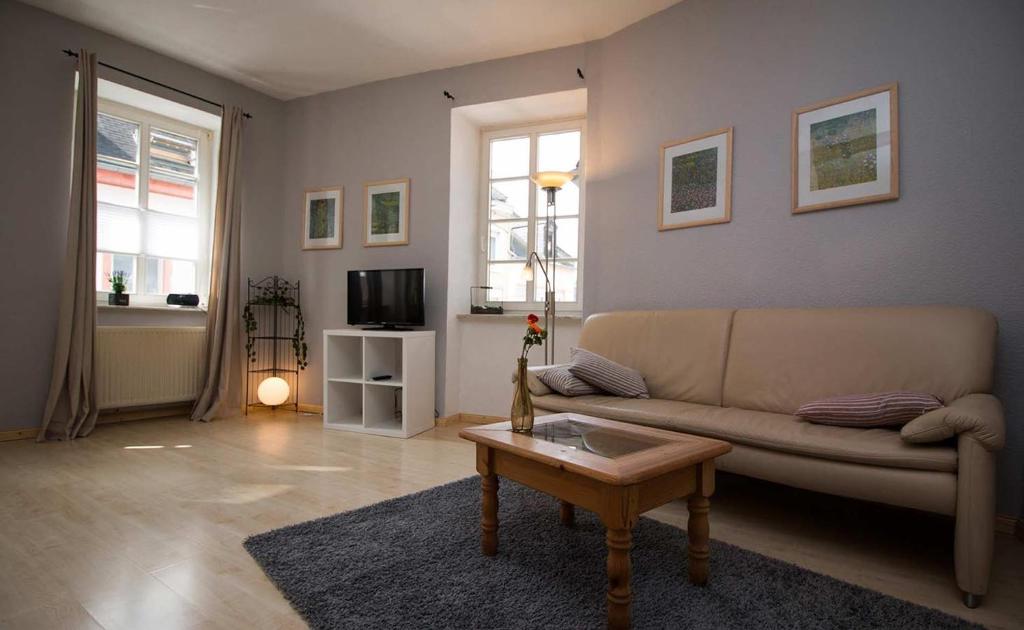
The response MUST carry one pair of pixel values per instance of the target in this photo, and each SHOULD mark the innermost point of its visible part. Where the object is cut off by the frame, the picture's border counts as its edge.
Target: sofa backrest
(781, 358)
(680, 353)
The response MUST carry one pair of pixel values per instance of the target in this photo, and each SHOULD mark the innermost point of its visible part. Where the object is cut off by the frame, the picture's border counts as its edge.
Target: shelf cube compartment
(383, 408)
(344, 357)
(344, 403)
(383, 358)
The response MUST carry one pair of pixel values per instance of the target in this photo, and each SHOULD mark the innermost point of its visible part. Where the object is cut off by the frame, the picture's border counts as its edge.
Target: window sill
(506, 317)
(163, 308)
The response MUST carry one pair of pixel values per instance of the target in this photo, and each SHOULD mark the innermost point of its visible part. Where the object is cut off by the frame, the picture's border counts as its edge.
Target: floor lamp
(550, 182)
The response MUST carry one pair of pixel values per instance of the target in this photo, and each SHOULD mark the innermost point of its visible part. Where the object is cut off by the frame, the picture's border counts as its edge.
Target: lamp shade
(527, 273)
(273, 391)
(551, 179)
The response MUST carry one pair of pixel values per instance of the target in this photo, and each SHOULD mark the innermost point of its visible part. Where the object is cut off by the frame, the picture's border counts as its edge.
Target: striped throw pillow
(561, 380)
(606, 374)
(887, 409)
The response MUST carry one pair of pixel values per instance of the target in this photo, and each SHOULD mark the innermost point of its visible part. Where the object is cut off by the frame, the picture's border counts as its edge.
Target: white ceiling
(291, 48)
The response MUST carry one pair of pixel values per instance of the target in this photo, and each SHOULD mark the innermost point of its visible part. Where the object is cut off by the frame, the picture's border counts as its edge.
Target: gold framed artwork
(695, 181)
(323, 218)
(386, 213)
(846, 151)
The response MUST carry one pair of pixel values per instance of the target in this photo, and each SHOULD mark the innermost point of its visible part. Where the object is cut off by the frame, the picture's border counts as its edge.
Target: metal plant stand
(274, 338)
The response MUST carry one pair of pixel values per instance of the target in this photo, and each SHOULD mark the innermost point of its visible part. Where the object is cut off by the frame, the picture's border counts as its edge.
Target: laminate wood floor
(140, 525)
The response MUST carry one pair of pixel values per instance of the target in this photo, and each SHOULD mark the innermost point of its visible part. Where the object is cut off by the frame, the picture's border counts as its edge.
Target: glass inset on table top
(591, 438)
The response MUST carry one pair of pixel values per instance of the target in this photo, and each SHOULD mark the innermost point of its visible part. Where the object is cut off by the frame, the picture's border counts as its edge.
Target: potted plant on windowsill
(118, 282)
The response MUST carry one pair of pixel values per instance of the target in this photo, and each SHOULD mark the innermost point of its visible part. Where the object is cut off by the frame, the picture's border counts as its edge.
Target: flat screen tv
(390, 298)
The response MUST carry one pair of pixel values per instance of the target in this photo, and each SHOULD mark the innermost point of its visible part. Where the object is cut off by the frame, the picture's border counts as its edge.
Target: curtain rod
(72, 53)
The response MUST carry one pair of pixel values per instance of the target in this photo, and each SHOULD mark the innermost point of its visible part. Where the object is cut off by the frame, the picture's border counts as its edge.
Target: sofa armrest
(979, 415)
(537, 386)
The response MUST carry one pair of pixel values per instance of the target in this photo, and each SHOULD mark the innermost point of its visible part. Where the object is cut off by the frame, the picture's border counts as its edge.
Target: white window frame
(204, 196)
(532, 131)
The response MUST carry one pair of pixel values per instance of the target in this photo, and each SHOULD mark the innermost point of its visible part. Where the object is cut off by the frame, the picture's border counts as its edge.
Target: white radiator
(148, 365)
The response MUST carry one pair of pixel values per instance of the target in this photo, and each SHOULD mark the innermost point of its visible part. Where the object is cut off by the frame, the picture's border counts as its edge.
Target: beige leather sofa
(738, 375)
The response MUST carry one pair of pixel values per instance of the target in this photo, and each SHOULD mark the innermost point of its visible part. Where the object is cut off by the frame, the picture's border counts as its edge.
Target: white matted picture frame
(695, 181)
(386, 212)
(323, 211)
(846, 150)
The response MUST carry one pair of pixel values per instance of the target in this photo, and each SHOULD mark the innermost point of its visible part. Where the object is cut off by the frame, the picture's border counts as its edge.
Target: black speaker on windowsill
(183, 299)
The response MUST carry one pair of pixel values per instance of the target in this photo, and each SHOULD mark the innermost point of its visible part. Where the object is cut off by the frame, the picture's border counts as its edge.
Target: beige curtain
(221, 391)
(71, 404)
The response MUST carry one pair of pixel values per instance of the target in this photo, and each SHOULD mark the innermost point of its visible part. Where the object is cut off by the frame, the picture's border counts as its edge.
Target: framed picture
(322, 210)
(846, 151)
(696, 181)
(386, 213)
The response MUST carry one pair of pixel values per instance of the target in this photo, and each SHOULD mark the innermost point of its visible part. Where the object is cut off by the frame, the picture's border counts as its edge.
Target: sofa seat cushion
(780, 432)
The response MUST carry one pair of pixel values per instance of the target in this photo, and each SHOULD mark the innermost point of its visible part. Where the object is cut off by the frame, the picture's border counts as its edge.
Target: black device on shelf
(183, 299)
(387, 298)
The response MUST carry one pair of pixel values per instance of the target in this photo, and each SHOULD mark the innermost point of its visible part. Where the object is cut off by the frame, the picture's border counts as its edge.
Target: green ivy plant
(269, 296)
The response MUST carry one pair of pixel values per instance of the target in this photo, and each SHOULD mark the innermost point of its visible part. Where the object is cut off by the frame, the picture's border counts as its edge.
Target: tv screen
(386, 297)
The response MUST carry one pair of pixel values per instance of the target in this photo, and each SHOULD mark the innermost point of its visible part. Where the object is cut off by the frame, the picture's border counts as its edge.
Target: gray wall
(955, 236)
(386, 130)
(37, 108)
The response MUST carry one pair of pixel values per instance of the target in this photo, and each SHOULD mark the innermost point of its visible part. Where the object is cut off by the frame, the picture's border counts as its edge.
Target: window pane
(567, 201)
(117, 139)
(165, 276)
(173, 153)
(175, 195)
(117, 183)
(107, 263)
(510, 158)
(118, 229)
(172, 180)
(567, 241)
(558, 151)
(507, 280)
(511, 199)
(565, 282)
(169, 236)
(508, 241)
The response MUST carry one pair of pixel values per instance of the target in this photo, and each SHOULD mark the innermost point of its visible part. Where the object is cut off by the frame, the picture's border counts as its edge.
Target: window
(154, 189)
(515, 212)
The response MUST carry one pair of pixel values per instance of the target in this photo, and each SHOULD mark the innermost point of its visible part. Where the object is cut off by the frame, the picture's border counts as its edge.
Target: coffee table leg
(619, 572)
(489, 515)
(566, 513)
(698, 532)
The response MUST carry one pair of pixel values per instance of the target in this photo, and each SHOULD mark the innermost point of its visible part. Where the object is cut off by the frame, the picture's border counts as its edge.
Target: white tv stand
(401, 406)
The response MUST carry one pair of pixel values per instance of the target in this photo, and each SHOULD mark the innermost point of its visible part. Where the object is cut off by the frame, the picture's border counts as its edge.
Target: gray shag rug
(415, 562)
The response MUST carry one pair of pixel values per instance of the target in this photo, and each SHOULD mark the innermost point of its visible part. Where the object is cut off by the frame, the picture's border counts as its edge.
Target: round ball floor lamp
(273, 391)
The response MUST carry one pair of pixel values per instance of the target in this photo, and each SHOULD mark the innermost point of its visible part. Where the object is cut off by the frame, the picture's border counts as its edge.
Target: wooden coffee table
(614, 469)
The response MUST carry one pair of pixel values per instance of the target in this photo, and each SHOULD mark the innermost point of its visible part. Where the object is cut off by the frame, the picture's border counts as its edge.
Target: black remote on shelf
(385, 377)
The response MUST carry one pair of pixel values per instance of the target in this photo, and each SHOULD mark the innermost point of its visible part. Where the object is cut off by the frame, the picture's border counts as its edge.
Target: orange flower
(532, 319)
(535, 328)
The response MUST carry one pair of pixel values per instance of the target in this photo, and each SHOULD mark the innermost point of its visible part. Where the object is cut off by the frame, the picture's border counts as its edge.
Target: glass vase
(522, 406)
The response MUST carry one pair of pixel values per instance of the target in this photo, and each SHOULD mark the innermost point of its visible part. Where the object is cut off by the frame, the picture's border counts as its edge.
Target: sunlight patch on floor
(309, 468)
(238, 494)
